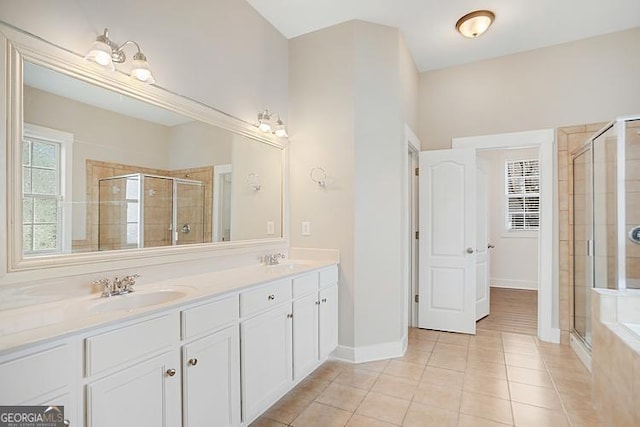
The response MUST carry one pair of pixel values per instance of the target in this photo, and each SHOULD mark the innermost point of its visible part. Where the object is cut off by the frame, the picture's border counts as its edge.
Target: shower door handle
(589, 247)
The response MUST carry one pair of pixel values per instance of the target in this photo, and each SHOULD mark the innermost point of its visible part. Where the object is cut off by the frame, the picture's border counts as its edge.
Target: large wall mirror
(97, 168)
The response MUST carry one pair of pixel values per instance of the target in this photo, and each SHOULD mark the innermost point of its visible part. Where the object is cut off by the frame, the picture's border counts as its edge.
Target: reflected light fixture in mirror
(475, 24)
(266, 121)
(105, 52)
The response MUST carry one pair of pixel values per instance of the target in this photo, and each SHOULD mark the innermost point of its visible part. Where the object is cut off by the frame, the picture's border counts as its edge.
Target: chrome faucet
(119, 286)
(272, 259)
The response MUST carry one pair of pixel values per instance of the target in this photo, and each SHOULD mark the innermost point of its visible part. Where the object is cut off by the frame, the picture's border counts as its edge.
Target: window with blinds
(522, 188)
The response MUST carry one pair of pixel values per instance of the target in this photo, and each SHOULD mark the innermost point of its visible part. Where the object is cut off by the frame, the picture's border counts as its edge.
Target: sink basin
(288, 266)
(136, 300)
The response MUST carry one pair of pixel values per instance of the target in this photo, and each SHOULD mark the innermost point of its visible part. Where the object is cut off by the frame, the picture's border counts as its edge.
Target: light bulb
(100, 53)
(264, 126)
(140, 69)
(281, 132)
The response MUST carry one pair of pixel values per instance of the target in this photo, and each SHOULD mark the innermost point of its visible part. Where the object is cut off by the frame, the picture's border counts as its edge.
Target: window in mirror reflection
(43, 192)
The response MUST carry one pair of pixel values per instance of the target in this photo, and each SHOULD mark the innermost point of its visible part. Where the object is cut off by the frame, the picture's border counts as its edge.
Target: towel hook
(319, 176)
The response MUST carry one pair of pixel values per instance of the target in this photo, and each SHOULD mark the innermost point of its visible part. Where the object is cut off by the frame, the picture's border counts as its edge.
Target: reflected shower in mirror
(103, 171)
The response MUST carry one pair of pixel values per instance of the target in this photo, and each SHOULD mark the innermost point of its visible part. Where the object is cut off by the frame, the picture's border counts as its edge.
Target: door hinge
(417, 171)
(416, 298)
(417, 234)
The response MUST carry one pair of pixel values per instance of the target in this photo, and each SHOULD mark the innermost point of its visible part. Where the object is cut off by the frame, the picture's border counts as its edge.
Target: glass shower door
(582, 243)
(189, 212)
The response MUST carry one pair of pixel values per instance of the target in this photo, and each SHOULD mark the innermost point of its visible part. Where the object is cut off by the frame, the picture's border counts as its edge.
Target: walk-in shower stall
(140, 210)
(606, 217)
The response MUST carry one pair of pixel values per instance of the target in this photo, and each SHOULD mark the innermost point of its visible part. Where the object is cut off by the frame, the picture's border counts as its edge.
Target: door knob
(490, 246)
(171, 372)
(193, 362)
(470, 250)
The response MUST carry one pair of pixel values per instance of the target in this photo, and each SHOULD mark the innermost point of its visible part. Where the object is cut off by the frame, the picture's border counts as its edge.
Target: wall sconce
(319, 176)
(266, 121)
(254, 181)
(474, 24)
(105, 52)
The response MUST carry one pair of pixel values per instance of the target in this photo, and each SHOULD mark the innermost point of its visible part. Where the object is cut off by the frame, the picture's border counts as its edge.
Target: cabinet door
(46, 377)
(145, 395)
(211, 375)
(305, 335)
(266, 360)
(328, 320)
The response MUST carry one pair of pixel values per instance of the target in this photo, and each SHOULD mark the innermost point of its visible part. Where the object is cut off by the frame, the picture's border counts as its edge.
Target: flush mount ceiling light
(271, 122)
(105, 52)
(474, 24)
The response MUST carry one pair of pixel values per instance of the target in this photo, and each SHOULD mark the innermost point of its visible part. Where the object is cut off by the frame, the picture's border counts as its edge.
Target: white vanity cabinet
(211, 365)
(133, 375)
(218, 361)
(42, 376)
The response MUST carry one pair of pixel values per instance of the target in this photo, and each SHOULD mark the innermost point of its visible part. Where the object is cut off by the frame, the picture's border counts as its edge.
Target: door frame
(544, 139)
(410, 225)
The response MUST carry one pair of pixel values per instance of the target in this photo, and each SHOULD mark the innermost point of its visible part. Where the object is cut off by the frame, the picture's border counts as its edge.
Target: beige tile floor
(491, 379)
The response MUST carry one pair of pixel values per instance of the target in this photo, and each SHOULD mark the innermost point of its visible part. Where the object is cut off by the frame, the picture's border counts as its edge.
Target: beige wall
(220, 52)
(585, 81)
(514, 260)
(350, 97)
(251, 209)
(196, 144)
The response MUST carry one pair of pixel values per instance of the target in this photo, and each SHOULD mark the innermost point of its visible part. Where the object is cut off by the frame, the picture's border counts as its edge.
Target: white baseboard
(513, 284)
(549, 335)
(372, 353)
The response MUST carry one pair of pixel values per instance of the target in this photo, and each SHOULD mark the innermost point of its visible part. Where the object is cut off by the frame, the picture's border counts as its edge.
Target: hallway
(512, 310)
(445, 379)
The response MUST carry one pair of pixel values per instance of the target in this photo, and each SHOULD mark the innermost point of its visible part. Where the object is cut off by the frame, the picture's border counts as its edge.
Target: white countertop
(40, 322)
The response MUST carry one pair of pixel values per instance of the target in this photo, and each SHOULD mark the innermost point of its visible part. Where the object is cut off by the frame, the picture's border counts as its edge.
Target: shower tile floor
(490, 379)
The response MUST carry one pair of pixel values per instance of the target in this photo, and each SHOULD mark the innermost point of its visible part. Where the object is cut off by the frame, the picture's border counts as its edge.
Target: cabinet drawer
(304, 285)
(209, 317)
(31, 377)
(328, 276)
(264, 297)
(127, 344)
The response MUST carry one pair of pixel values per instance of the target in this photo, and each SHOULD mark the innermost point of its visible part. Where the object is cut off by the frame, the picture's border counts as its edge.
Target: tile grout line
(555, 387)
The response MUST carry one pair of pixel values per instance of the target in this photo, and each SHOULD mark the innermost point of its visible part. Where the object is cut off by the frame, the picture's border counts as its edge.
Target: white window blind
(522, 192)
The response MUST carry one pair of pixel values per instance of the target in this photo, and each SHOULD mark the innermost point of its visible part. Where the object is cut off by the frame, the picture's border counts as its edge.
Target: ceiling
(428, 26)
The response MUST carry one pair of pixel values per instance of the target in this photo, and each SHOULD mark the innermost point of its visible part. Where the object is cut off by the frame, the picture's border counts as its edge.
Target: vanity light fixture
(105, 52)
(474, 24)
(271, 122)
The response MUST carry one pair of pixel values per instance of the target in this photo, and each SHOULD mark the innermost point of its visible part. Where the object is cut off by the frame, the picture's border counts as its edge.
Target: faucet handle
(128, 282)
(107, 286)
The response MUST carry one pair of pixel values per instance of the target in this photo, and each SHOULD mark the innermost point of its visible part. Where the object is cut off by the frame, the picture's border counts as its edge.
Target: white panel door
(482, 242)
(448, 240)
(211, 380)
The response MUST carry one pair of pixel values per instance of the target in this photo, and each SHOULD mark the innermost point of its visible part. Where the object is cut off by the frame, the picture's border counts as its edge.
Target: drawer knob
(193, 362)
(324, 300)
(271, 297)
(290, 316)
(317, 302)
(171, 372)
